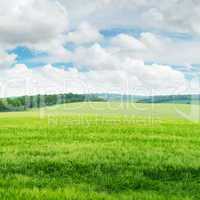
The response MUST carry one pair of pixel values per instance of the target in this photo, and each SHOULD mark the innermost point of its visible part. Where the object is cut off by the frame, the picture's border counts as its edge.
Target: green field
(101, 151)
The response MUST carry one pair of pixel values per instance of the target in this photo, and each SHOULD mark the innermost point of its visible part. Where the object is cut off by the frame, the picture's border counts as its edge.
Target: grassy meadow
(101, 151)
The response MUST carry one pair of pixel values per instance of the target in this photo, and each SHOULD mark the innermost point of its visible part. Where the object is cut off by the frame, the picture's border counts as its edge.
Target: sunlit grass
(76, 151)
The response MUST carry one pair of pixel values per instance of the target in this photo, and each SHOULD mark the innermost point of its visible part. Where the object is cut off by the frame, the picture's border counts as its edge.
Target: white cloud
(161, 15)
(34, 23)
(127, 42)
(43, 25)
(107, 72)
(152, 41)
(131, 76)
(6, 60)
(166, 50)
(115, 65)
(158, 49)
(84, 34)
(94, 57)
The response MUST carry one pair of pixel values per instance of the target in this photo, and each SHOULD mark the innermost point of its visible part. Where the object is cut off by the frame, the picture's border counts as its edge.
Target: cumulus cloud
(127, 42)
(84, 34)
(133, 77)
(94, 57)
(34, 23)
(6, 60)
(151, 77)
(164, 49)
(143, 13)
(152, 47)
(100, 63)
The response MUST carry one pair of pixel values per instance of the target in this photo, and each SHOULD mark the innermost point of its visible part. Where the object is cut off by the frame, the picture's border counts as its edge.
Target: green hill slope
(180, 99)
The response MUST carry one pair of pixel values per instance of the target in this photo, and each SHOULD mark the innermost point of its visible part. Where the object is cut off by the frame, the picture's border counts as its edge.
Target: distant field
(101, 151)
(167, 111)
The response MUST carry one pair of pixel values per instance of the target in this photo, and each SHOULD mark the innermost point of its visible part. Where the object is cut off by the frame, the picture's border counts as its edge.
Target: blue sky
(145, 43)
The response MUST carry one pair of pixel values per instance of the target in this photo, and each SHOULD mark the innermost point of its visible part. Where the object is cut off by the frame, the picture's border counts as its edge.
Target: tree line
(26, 102)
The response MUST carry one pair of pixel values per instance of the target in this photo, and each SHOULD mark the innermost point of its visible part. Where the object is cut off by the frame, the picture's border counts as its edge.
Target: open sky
(97, 46)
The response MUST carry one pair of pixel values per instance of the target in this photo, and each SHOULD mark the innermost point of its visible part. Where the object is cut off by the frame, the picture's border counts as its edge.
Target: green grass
(100, 151)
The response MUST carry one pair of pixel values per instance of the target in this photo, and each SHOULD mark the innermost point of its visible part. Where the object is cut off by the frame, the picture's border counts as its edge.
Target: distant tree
(37, 101)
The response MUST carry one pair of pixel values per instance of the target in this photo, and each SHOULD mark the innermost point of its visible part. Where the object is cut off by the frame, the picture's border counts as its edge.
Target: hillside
(179, 99)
